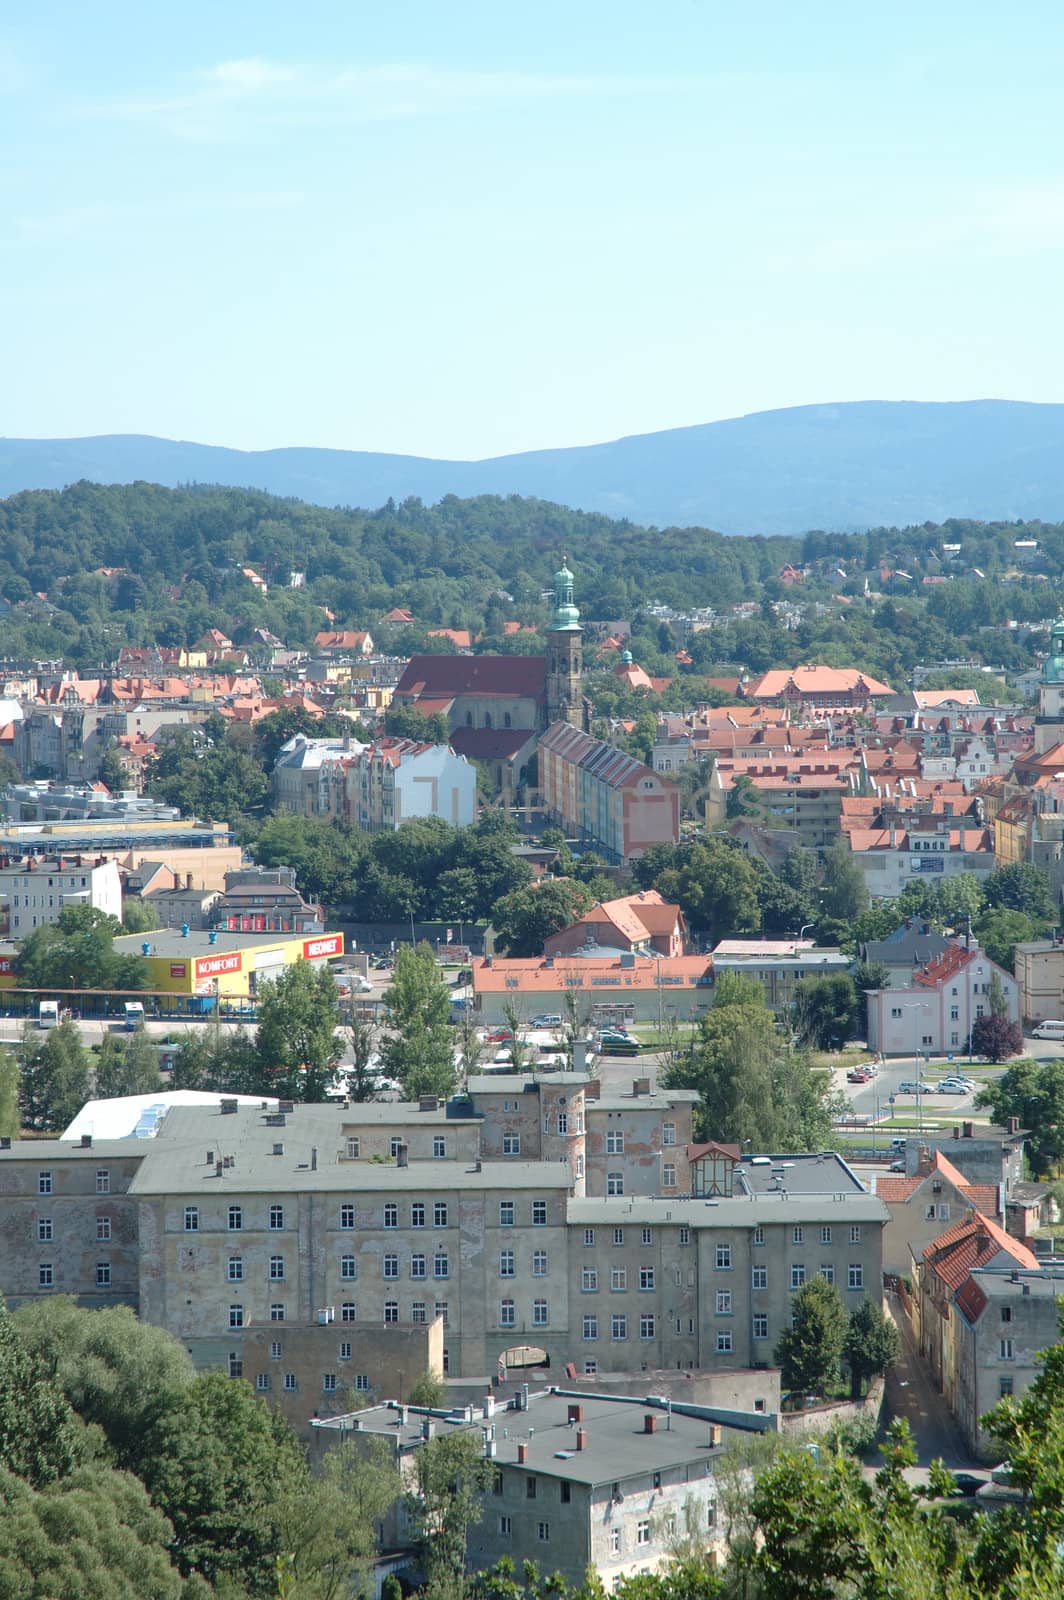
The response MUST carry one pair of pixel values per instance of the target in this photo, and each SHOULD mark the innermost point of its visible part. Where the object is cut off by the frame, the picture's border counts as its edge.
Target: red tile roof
(448, 676)
(975, 1242)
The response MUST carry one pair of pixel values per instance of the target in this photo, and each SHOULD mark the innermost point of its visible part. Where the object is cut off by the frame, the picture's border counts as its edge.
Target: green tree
(809, 1351)
(219, 1465)
(324, 855)
(452, 1474)
(843, 895)
(37, 1436)
(867, 975)
(427, 1390)
(129, 1065)
(716, 887)
(407, 722)
(363, 1076)
(275, 730)
(55, 1079)
(526, 918)
(1034, 1093)
(738, 989)
(77, 952)
(139, 916)
(825, 1010)
(1022, 887)
(112, 773)
(871, 1345)
(958, 898)
(10, 1082)
(297, 1039)
(1000, 930)
(326, 1525)
(418, 1050)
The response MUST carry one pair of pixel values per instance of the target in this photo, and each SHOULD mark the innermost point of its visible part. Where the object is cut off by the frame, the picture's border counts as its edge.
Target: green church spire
(566, 616)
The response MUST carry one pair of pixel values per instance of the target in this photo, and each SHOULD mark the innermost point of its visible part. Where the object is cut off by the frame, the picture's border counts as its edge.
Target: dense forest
(174, 559)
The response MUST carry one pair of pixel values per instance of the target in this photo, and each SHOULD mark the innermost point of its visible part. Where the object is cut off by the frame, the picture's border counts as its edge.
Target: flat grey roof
(176, 1161)
(379, 1113)
(743, 1211)
(171, 942)
(64, 1150)
(1047, 1285)
(522, 1082)
(617, 1447)
(826, 1173)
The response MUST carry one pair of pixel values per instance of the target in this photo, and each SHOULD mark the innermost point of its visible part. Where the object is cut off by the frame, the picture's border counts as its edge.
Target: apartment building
(388, 783)
(35, 889)
(280, 1246)
(643, 988)
(941, 847)
(935, 1013)
(609, 798)
(777, 965)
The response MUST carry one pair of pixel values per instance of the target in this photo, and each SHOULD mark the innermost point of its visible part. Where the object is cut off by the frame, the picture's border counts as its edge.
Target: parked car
(500, 1036)
(858, 1075)
(968, 1482)
(952, 1086)
(546, 1020)
(909, 1086)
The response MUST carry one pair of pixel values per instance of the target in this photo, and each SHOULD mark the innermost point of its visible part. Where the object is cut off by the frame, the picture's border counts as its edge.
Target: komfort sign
(213, 966)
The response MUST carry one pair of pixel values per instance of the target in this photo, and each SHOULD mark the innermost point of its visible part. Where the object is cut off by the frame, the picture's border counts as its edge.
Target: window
(724, 1302)
(563, 1122)
(328, 1382)
(565, 1493)
(646, 1277)
(798, 1235)
(589, 1236)
(45, 1277)
(895, 1012)
(618, 1327)
(275, 1349)
(1005, 1350)
(543, 1532)
(44, 1230)
(825, 1236)
(347, 1267)
(391, 1266)
(44, 1183)
(236, 1316)
(668, 1133)
(103, 1229)
(192, 1219)
(760, 1278)
(439, 1214)
(511, 1144)
(759, 1234)
(590, 1327)
(615, 1541)
(530, 1488)
(615, 1183)
(418, 1267)
(276, 1268)
(236, 1366)
(417, 1214)
(439, 1146)
(539, 1263)
(618, 1236)
(642, 1532)
(589, 1280)
(855, 1233)
(797, 1275)
(506, 1216)
(647, 1236)
(362, 1382)
(647, 1325)
(418, 1312)
(724, 1342)
(103, 1181)
(354, 1148)
(618, 1278)
(347, 1311)
(391, 1215)
(347, 1216)
(391, 1311)
(235, 1269)
(505, 1527)
(685, 1235)
(668, 1175)
(441, 1266)
(395, 1144)
(724, 1258)
(235, 1218)
(344, 1352)
(539, 1213)
(540, 1313)
(615, 1143)
(507, 1314)
(290, 1382)
(276, 1311)
(760, 1325)
(442, 1311)
(263, 1382)
(1005, 1385)
(855, 1276)
(827, 1272)
(1006, 1313)
(498, 1483)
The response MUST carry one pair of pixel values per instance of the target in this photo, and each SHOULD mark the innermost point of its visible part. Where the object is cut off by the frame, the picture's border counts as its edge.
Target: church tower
(565, 664)
(1049, 724)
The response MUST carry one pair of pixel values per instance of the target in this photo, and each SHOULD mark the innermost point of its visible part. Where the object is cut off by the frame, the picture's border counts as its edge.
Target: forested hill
(844, 467)
(88, 569)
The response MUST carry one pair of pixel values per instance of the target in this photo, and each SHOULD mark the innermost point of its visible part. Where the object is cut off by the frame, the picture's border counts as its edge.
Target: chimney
(428, 1102)
(581, 1438)
(86, 1141)
(969, 1130)
(650, 1422)
(1014, 1125)
(314, 1158)
(716, 1433)
(188, 880)
(576, 1412)
(522, 1453)
(402, 1156)
(5, 1142)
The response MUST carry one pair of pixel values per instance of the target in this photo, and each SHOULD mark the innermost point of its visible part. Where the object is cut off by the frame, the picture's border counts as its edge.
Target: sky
(486, 226)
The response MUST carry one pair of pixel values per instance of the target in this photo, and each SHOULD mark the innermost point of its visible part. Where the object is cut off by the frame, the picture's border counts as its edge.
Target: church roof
(445, 677)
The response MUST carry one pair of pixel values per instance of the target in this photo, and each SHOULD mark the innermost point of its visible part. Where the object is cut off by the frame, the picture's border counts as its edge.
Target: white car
(952, 1086)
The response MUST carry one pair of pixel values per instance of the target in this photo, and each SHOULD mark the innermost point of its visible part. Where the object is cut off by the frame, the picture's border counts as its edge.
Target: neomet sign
(214, 966)
(320, 949)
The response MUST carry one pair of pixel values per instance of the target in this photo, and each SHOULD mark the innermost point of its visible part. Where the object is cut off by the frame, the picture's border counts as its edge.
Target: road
(912, 1395)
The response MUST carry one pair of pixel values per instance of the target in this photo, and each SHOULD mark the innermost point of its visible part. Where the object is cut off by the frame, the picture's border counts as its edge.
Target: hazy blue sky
(479, 226)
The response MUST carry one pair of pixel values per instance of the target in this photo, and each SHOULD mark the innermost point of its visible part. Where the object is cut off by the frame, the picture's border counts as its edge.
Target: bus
(134, 1015)
(48, 1014)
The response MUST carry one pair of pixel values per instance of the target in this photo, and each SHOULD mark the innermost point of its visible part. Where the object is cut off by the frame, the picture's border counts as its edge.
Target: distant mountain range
(837, 467)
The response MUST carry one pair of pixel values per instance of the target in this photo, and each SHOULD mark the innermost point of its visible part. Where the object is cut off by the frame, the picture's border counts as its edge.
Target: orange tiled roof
(813, 680)
(970, 1244)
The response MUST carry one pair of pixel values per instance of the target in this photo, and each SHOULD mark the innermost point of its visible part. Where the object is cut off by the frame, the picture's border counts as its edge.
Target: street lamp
(917, 1008)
